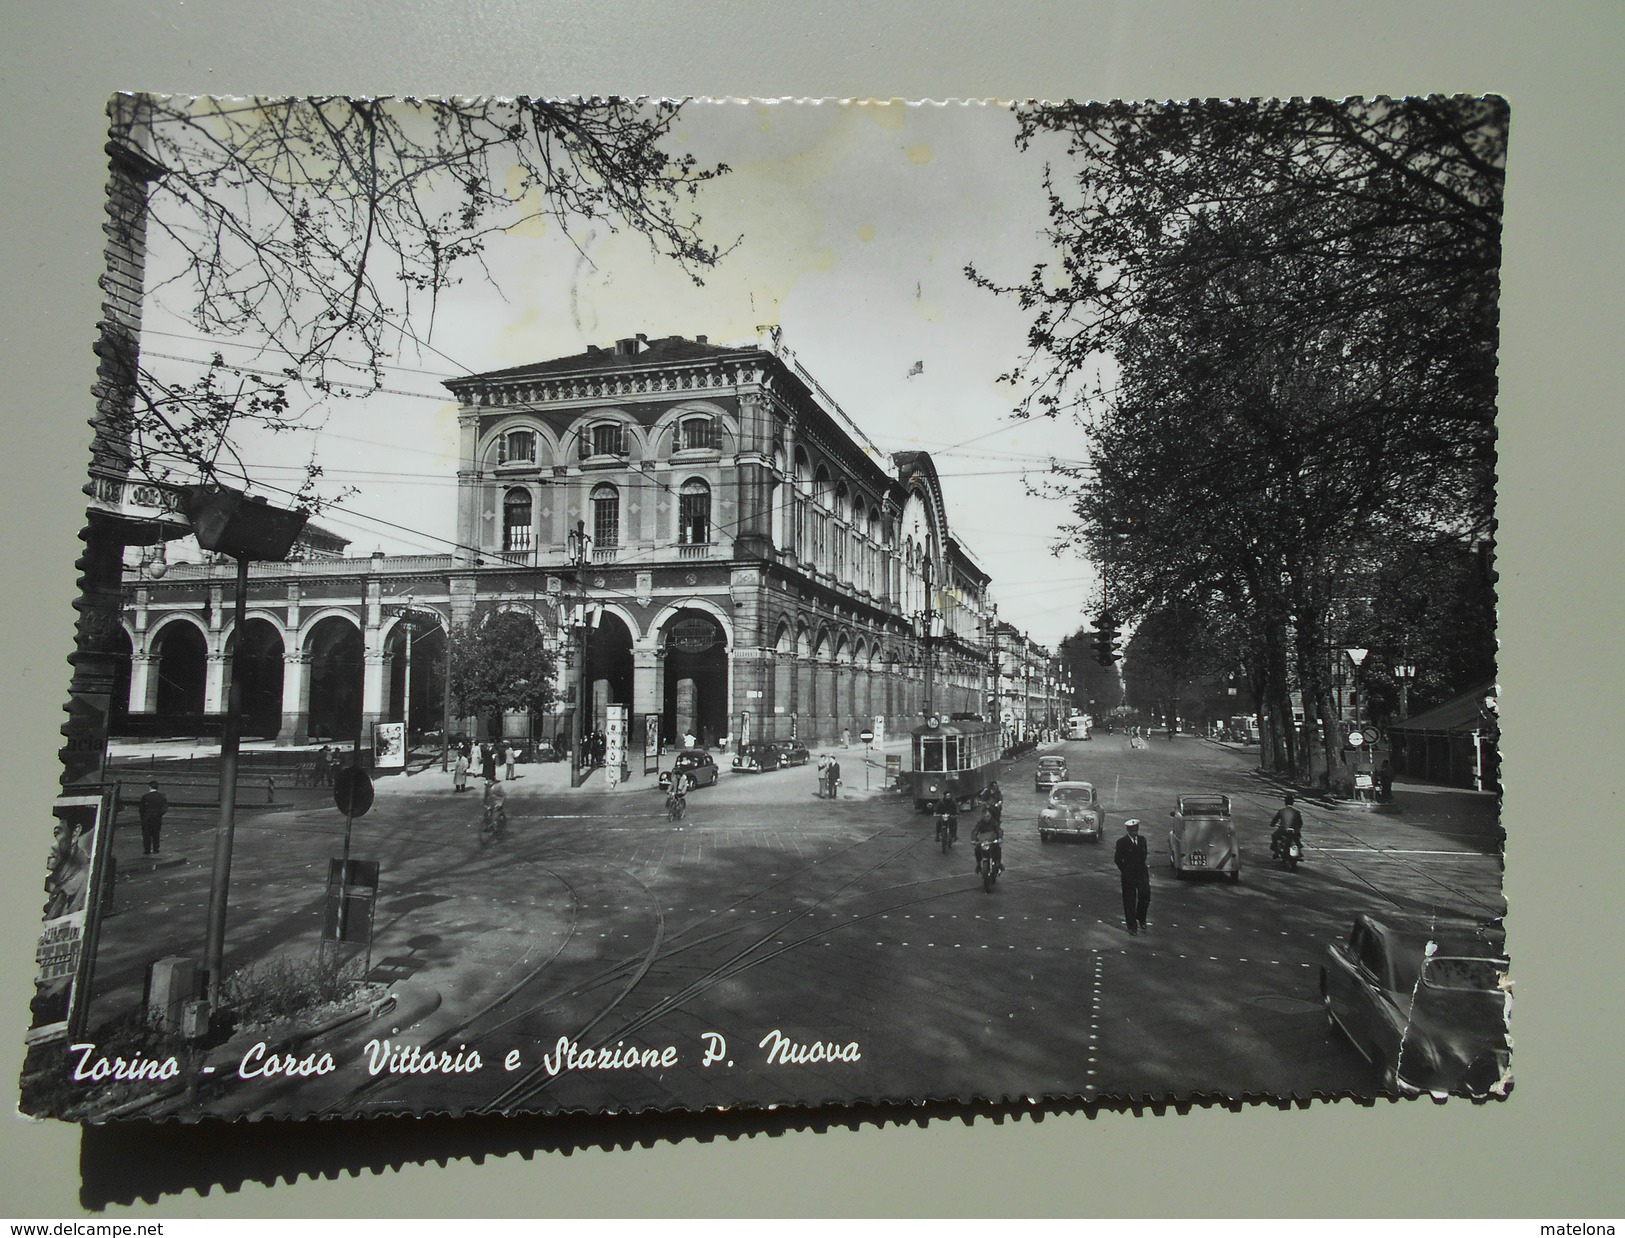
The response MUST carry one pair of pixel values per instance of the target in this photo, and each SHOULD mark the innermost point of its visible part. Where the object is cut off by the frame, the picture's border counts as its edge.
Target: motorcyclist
(948, 816)
(988, 827)
(994, 799)
(1286, 823)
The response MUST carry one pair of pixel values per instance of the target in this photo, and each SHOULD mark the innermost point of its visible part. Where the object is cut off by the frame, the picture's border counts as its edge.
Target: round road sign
(352, 792)
(1356, 739)
(1370, 734)
(866, 736)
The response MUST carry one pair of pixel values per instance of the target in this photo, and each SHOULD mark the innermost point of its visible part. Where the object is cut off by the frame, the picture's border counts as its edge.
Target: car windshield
(1072, 797)
(1051, 763)
(1454, 972)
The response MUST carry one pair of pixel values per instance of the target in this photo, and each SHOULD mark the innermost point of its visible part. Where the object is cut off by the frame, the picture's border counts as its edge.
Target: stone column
(647, 699)
(143, 683)
(374, 684)
(214, 683)
(295, 727)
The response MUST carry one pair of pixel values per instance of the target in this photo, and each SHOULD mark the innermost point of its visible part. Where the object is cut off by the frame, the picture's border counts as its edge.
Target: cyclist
(494, 811)
(677, 797)
(948, 817)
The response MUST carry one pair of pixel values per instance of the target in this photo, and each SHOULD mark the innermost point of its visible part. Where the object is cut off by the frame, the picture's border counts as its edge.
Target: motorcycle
(1288, 848)
(988, 865)
(947, 830)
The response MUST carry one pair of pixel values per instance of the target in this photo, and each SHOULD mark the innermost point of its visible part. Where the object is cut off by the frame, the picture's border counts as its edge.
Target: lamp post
(580, 549)
(229, 522)
(1404, 672)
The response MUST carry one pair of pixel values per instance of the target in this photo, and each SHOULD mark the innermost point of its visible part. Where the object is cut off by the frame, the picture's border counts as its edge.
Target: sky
(855, 223)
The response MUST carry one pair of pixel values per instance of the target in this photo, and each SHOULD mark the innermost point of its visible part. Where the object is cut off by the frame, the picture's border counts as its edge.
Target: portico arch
(694, 646)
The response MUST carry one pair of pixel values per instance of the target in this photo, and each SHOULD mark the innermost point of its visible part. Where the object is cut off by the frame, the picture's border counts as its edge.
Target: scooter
(1288, 848)
(947, 828)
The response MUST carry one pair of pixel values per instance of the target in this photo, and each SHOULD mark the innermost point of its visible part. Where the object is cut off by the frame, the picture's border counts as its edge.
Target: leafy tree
(503, 664)
(1277, 321)
(325, 229)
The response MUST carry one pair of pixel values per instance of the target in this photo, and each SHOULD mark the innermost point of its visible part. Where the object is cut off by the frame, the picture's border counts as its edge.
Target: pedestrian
(460, 769)
(510, 754)
(823, 775)
(324, 766)
(688, 739)
(1385, 779)
(488, 763)
(1134, 869)
(153, 806)
(834, 776)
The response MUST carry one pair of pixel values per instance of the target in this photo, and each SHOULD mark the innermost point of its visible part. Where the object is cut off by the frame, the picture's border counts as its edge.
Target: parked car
(1072, 812)
(1051, 771)
(793, 752)
(1202, 838)
(759, 755)
(1424, 1002)
(694, 762)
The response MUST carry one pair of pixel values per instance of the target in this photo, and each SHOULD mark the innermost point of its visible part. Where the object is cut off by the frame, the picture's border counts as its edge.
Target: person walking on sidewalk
(1134, 869)
(460, 771)
(488, 763)
(153, 806)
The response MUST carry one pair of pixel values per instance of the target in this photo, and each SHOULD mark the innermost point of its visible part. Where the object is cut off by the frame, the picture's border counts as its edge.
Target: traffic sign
(352, 792)
(1356, 738)
(1370, 734)
(866, 736)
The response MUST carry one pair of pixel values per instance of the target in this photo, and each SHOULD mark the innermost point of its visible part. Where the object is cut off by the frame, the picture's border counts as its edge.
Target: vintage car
(1051, 771)
(694, 762)
(793, 752)
(1202, 838)
(1072, 812)
(1424, 1002)
(759, 755)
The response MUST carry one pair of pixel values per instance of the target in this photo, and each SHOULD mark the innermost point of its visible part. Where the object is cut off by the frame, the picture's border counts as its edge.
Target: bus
(958, 757)
(1077, 726)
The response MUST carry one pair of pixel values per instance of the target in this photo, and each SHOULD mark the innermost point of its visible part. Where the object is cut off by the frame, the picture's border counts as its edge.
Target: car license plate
(1198, 859)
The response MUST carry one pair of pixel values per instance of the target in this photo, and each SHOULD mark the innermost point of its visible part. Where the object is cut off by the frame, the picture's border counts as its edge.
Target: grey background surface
(1550, 1152)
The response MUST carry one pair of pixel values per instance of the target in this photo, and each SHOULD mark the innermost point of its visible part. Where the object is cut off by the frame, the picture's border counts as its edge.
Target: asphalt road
(838, 924)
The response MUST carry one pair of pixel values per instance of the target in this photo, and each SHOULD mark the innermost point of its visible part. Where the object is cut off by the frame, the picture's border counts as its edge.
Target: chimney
(700, 339)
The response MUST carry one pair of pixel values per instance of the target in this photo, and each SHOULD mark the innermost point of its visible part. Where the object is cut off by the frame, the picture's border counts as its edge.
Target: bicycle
(676, 806)
(493, 825)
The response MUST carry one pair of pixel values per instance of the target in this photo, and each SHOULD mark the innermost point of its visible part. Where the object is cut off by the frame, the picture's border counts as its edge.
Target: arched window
(698, 434)
(694, 513)
(517, 447)
(602, 438)
(606, 517)
(516, 520)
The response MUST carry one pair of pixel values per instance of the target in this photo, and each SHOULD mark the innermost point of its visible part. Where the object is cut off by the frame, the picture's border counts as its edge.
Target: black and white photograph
(932, 601)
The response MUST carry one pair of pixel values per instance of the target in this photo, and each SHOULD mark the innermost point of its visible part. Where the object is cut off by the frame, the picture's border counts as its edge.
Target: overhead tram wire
(525, 406)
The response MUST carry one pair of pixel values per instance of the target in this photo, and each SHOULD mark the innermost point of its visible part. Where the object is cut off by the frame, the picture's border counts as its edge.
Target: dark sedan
(755, 757)
(700, 768)
(1425, 1002)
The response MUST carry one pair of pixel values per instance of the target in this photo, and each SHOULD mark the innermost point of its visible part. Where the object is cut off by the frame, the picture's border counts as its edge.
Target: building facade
(700, 532)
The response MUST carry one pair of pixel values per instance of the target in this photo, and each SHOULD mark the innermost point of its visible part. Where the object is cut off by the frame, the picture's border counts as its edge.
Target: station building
(730, 551)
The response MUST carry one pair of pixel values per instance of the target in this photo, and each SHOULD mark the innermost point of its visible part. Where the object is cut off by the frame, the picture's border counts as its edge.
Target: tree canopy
(1277, 322)
(503, 664)
(324, 230)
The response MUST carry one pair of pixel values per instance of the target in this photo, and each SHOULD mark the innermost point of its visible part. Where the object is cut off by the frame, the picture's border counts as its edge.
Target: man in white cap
(1134, 866)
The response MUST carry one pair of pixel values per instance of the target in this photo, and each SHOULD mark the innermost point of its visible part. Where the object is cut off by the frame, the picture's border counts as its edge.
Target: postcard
(618, 605)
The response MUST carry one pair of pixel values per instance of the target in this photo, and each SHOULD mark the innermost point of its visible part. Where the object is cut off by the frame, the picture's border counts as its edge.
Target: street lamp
(1404, 673)
(230, 522)
(580, 550)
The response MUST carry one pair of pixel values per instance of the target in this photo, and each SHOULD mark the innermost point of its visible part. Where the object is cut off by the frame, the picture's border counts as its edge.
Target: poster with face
(71, 880)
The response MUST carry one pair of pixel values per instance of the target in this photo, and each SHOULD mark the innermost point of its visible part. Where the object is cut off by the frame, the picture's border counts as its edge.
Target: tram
(957, 757)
